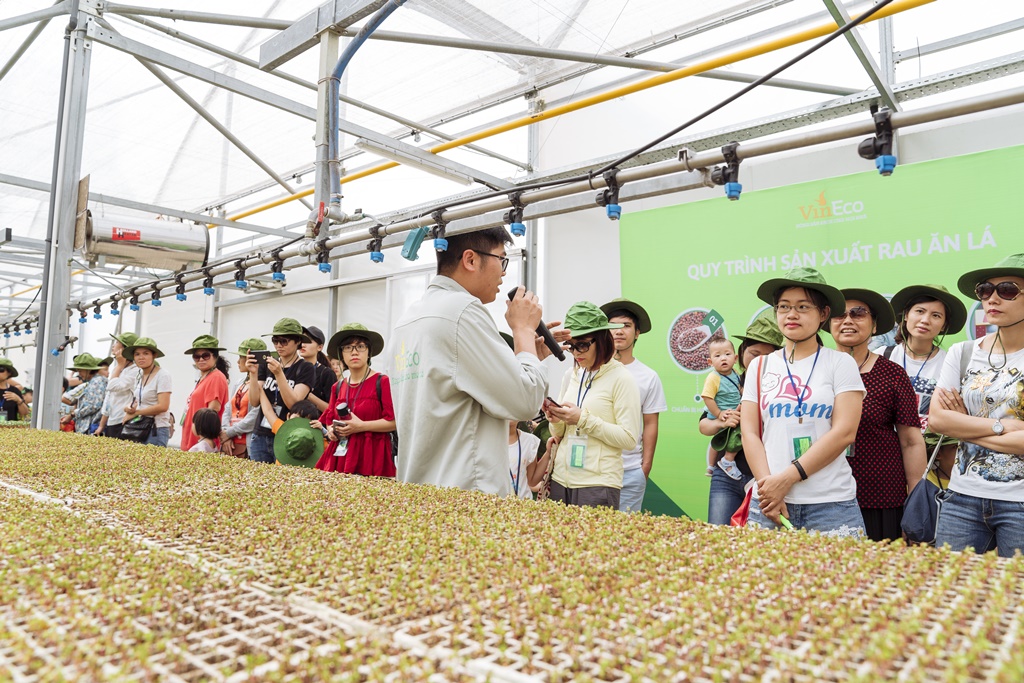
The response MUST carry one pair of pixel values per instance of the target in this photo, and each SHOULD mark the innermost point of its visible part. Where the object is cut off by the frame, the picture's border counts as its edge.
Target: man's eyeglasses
(855, 313)
(581, 346)
(1007, 291)
(202, 356)
(802, 309)
(503, 259)
(279, 341)
(353, 348)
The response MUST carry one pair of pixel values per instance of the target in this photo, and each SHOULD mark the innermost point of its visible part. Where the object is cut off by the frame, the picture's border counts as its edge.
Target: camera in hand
(261, 363)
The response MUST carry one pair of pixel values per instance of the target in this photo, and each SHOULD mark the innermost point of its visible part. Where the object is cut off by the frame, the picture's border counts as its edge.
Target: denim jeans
(634, 484)
(839, 519)
(261, 448)
(725, 496)
(159, 436)
(980, 523)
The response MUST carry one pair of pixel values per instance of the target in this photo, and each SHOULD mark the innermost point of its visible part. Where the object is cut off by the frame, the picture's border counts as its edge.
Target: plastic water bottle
(343, 414)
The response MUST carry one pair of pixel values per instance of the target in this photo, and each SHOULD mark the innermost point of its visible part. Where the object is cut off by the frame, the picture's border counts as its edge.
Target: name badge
(577, 451)
(801, 438)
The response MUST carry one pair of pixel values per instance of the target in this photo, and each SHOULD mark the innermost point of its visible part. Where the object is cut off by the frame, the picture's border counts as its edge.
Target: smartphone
(548, 402)
(261, 363)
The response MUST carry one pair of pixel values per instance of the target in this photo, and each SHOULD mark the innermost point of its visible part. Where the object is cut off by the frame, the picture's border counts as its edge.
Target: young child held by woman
(722, 391)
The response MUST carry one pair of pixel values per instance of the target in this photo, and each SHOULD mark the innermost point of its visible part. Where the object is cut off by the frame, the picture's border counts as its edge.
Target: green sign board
(696, 264)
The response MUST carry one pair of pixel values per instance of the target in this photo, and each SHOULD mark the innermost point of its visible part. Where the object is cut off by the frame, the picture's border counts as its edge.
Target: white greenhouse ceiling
(436, 70)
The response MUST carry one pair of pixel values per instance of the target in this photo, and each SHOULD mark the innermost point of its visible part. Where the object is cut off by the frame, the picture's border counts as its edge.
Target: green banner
(699, 263)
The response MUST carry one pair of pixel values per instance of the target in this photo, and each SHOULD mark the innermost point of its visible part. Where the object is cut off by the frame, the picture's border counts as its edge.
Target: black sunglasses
(285, 340)
(503, 259)
(201, 356)
(1007, 291)
(581, 346)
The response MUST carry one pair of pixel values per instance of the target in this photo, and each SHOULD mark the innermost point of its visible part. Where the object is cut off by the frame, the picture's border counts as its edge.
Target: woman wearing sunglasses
(597, 415)
(800, 411)
(211, 388)
(926, 313)
(984, 507)
(888, 457)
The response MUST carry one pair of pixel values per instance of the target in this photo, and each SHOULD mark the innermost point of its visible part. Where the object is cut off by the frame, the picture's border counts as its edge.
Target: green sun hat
(289, 327)
(643, 321)
(807, 278)
(354, 330)
(956, 312)
(8, 364)
(126, 338)
(251, 344)
(205, 342)
(763, 330)
(107, 361)
(1011, 265)
(142, 343)
(85, 361)
(583, 318)
(885, 319)
(296, 443)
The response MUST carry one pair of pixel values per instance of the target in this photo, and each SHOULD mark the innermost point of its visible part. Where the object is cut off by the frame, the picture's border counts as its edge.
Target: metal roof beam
(860, 48)
(957, 41)
(201, 17)
(148, 208)
(412, 125)
(29, 39)
(298, 36)
(39, 15)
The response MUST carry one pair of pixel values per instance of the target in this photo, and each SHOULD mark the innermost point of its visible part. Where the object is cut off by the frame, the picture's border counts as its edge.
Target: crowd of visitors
(803, 436)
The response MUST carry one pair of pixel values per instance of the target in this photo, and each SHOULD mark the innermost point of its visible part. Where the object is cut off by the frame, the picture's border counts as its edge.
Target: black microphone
(542, 330)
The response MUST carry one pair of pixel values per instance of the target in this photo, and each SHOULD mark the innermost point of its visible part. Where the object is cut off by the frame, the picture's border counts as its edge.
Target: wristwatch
(997, 427)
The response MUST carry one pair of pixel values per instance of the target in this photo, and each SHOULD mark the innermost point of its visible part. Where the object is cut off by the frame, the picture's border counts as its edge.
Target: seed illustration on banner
(689, 337)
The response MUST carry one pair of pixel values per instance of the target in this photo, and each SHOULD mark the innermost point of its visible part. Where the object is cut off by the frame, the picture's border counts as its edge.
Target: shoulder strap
(380, 397)
(966, 353)
(887, 354)
(760, 374)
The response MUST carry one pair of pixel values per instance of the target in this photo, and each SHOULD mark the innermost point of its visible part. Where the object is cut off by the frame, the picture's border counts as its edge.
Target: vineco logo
(823, 211)
(406, 364)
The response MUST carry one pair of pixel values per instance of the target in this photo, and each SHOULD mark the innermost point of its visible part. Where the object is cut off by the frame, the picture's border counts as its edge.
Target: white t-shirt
(817, 387)
(527, 445)
(924, 376)
(994, 394)
(652, 400)
(158, 383)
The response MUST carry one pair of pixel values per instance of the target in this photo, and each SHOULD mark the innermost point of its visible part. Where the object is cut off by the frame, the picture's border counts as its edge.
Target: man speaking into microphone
(456, 382)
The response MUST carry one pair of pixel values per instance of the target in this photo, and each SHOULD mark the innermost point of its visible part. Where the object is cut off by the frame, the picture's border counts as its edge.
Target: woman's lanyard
(583, 379)
(519, 467)
(920, 369)
(806, 387)
(348, 392)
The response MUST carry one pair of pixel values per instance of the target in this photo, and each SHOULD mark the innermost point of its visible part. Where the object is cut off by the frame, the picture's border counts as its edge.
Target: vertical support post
(887, 64)
(56, 286)
(532, 226)
(322, 183)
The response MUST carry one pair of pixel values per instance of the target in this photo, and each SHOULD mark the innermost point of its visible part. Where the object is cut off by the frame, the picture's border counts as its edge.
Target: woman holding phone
(597, 416)
(359, 435)
(287, 380)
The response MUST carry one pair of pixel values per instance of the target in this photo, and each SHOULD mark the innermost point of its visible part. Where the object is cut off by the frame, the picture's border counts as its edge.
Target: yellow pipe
(35, 287)
(621, 91)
